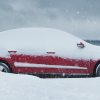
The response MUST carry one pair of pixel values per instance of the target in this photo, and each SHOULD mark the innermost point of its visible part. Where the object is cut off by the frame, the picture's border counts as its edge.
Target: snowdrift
(25, 87)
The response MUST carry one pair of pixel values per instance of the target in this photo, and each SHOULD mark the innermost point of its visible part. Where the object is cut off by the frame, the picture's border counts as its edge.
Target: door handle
(50, 52)
(12, 52)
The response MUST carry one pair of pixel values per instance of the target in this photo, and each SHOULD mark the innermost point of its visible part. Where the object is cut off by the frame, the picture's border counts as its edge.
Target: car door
(49, 63)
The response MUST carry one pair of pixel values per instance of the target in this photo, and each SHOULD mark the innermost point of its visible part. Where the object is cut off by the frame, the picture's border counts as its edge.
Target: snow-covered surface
(39, 41)
(36, 38)
(27, 87)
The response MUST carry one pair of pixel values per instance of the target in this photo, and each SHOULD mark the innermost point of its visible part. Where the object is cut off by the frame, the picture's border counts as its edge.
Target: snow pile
(24, 87)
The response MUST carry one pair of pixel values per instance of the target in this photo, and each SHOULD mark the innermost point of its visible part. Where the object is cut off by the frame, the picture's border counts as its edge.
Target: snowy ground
(27, 87)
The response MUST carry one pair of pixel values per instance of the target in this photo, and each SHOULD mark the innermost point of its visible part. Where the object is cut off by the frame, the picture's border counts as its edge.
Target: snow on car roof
(39, 41)
(37, 38)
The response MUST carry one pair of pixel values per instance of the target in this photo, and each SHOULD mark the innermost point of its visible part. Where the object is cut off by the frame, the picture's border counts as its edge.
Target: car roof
(38, 38)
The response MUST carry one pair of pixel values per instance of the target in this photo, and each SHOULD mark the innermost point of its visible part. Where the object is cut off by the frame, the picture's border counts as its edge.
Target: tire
(4, 67)
(97, 73)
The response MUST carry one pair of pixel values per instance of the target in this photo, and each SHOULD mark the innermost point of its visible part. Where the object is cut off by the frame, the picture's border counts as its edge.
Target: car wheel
(4, 68)
(98, 70)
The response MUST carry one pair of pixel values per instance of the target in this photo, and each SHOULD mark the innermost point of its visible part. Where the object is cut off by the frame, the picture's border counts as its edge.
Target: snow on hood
(42, 40)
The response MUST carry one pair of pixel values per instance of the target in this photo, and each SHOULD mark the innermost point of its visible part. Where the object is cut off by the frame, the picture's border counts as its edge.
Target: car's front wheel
(4, 68)
(97, 73)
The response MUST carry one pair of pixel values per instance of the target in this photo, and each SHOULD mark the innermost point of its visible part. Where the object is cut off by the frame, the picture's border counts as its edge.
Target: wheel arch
(94, 71)
(6, 62)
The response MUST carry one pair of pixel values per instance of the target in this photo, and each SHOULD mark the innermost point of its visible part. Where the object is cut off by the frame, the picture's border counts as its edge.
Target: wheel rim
(3, 69)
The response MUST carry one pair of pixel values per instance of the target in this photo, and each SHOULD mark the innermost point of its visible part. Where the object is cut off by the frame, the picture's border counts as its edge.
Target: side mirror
(80, 45)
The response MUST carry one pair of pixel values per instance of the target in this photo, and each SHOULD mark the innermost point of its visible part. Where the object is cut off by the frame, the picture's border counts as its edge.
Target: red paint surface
(49, 60)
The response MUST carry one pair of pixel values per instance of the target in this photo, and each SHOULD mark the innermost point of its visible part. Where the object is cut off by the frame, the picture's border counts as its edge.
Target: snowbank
(24, 87)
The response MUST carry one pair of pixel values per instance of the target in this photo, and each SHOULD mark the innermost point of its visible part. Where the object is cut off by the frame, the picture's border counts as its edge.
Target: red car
(45, 51)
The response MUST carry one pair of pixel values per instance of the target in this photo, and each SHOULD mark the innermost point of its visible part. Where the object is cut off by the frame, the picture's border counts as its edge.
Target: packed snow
(27, 87)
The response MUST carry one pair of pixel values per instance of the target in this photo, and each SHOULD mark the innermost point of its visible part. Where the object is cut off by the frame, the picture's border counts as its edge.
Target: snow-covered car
(45, 51)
